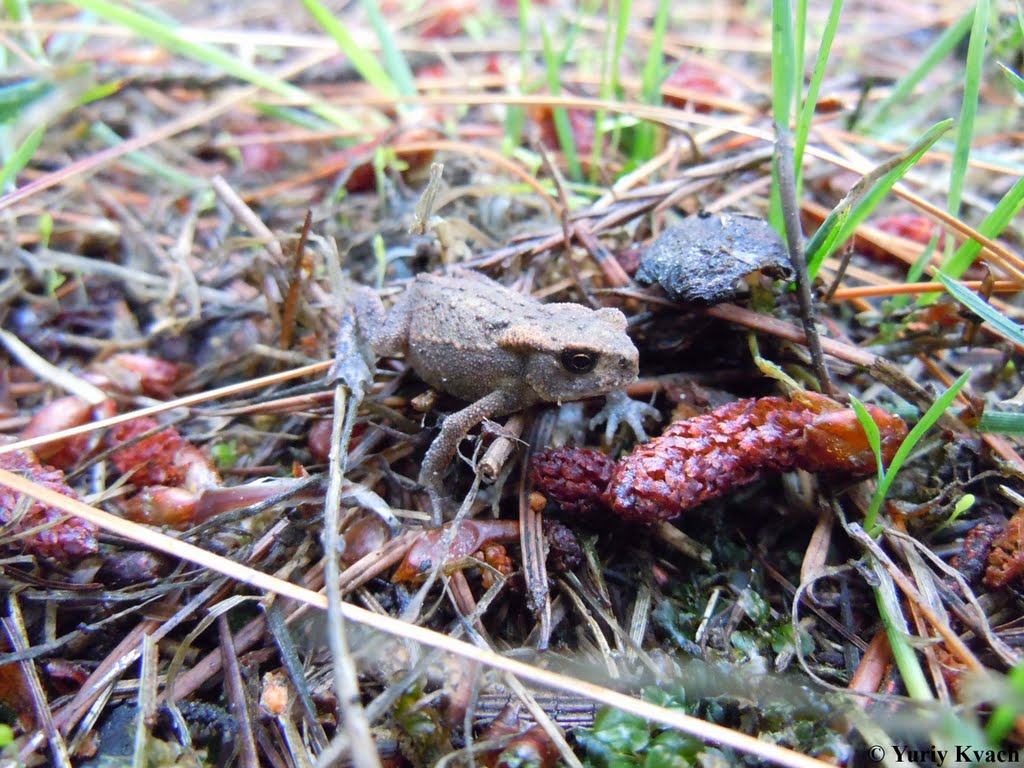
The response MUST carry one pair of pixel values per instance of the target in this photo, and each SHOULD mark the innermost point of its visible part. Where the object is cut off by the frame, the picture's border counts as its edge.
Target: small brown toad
(473, 338)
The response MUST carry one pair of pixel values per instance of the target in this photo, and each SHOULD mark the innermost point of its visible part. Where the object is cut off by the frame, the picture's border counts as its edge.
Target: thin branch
(795, 242)
(355, 725)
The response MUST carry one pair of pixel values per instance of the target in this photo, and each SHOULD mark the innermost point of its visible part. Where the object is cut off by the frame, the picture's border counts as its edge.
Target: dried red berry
(54, 534)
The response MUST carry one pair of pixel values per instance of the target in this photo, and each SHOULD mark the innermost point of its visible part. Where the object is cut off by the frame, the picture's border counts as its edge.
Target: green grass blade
(394, 60)
(20, 157)
(146, 163)
(799, 53)
(865, 196)
(20, 12)
(998, 322)
(904, 90)
(898, 633)
(1015, 80)
(563, 128)
(806, 116)
(1005, 715)
(16, 97)
(364, 62)
(783, 93)
(1002, 422)
(515, 116)
(909, 443)
(621, 32)
(783, 63)
(650, 83)
(969, 108)
(616, 27)
(871, 431)
(167, 37)
(1006, 210)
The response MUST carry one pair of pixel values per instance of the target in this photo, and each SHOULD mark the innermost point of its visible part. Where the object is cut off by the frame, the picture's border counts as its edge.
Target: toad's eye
(579, 360)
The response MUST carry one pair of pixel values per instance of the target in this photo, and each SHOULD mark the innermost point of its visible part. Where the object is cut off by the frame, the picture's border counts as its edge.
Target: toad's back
(454, 323)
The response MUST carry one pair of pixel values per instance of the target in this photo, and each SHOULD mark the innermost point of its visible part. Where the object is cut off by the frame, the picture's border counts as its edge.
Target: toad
(473, 338)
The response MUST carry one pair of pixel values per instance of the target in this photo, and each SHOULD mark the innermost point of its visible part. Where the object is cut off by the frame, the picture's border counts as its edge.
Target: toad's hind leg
(453, 430)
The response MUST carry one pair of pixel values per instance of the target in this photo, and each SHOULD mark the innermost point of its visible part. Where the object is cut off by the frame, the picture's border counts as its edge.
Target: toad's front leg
(455, 427)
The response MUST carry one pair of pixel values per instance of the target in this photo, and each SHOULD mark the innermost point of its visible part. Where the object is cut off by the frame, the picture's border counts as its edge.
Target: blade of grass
(167, 37)
(1006, 210)
(799, 52)
(865, 196)
(783, 94)
(515, 116)
(616, 27)
(16, 97)
(1015, 80)
(364, 62)
(1002, 422)
(394, 60)
(650, 84)
(999, 322)
(146, 163)
(563, 128)
(1005, 715)
(909, 443)
(901, 94)
(871, 431)
(969, 107)
(898, 633)
(20, 157)
(806, 116)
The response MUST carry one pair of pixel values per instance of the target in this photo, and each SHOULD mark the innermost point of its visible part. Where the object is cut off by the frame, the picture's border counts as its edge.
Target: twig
(355, 725)
(181, 402)
(248, 217)
(298, 274)
(146, 707)
(795, 243)
(956, 645)
(235, 689)
(501, 448)
(16, 634)
(67, 381)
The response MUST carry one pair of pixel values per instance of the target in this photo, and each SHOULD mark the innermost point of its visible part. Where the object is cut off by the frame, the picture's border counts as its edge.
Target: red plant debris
(695, 77)
(151, 459)
(171, 471)
(482, 540)
(472, 536)
(912, 226)
(523, 744)
(53, 533)
(1006, 560)
(973, 557)
(709, 455)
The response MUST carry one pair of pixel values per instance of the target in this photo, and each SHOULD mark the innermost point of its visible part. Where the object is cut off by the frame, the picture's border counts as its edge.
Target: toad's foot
(619, 407)
(455, 427)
